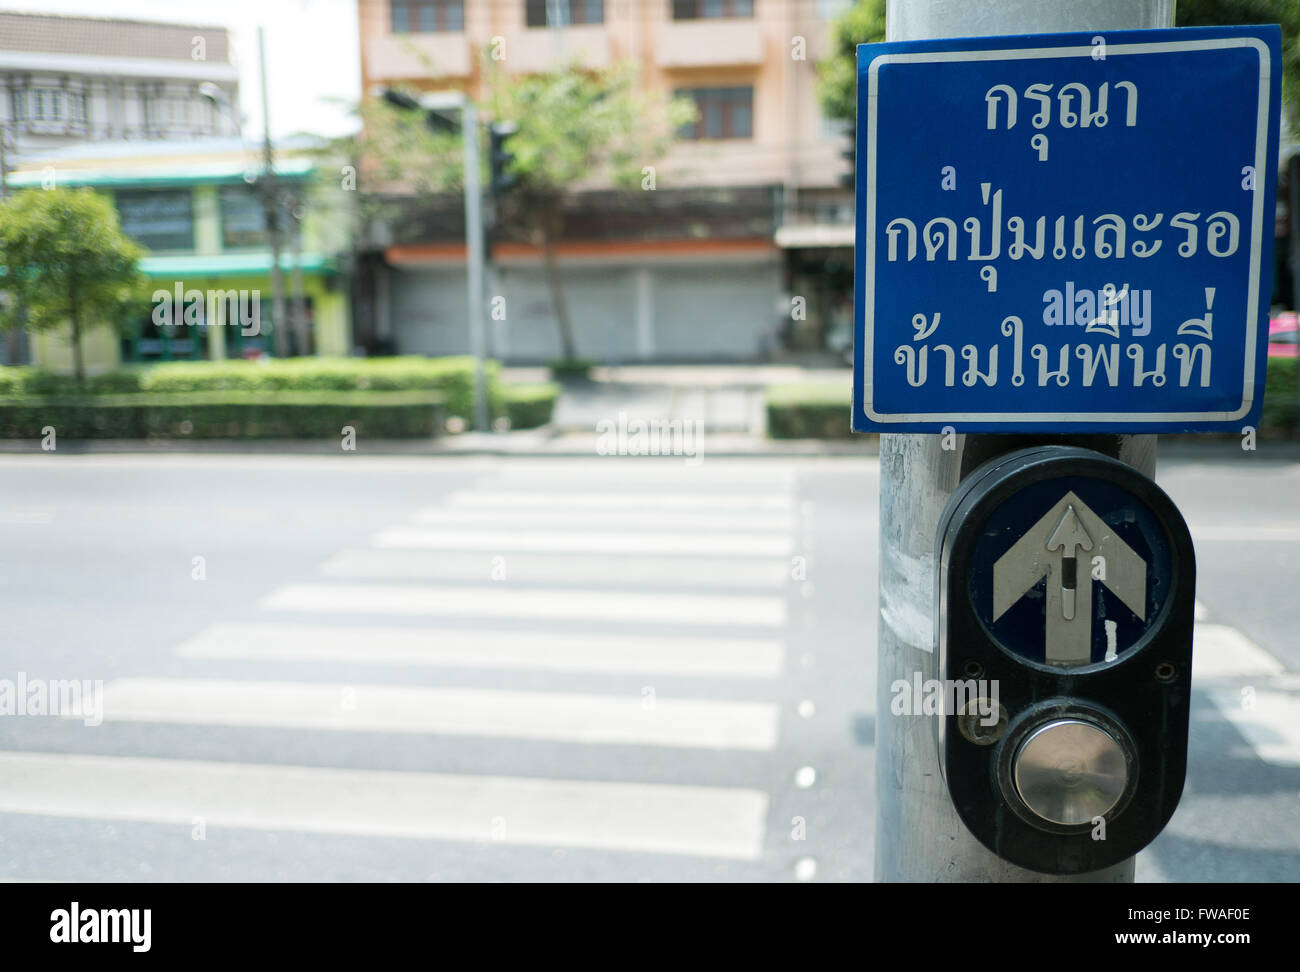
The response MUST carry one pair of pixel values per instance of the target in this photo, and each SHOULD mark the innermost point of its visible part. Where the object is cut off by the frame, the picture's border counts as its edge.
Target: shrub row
(452, 378)
(1281, 400)
(227, 414)
(820, 411)
(529, 406)
(808, 411)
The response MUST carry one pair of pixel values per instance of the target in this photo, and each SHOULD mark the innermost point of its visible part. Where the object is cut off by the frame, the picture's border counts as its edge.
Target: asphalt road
(365, 668)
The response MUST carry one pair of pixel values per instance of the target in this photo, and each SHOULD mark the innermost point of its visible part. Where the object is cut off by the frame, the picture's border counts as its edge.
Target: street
(368, 668)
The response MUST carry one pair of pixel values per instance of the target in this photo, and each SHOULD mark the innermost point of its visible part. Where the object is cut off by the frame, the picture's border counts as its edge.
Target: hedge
(1281, 400)
(821, 411)
(452, 378)
(529, 406)
(226, 414)
(808, 411)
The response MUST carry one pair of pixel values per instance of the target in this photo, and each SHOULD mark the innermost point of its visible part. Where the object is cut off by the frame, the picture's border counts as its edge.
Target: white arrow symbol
(1050, 549)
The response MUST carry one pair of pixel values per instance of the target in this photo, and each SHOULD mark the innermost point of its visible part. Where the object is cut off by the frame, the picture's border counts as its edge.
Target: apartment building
(747, 214)
(66, 80)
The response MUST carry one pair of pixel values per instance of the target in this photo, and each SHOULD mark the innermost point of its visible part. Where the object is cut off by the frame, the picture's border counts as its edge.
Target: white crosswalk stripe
(621, 520)
(749, 610)
(619, 500)
(562, 569)
(655, 818)
(1267, 717)
(1251, 689)
(1220, 651)
(560, 717)
(485, 648)
(621, 542)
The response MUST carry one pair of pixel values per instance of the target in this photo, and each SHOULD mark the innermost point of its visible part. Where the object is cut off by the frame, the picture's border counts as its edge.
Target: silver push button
(1070, 772)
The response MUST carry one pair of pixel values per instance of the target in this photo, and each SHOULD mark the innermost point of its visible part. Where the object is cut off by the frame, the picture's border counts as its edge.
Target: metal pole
(271, 204)
(295, 275)
(918, 834)
(13, 339)
(474, 259)
(1293, 184)
(4, 165)
(557, 14)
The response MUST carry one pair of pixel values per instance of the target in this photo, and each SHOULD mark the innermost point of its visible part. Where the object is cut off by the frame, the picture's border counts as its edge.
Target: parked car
(1282, 330)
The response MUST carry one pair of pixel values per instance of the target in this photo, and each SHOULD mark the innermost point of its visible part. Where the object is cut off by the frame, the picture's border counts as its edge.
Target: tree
(67, 259)
(837, 73)
(864, 23)
(1226, 13)
(575, 128)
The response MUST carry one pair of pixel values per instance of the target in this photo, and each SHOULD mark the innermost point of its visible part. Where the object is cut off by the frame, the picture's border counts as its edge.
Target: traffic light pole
(919, 836)
(474, 260)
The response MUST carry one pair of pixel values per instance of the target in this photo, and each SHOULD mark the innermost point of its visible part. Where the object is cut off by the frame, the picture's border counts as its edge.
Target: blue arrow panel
(1021, 630)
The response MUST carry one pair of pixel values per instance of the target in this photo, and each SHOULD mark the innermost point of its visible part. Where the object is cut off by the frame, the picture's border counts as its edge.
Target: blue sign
(1066, 232)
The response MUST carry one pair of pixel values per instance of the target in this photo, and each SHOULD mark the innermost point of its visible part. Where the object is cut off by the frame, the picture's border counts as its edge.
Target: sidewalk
(555, 443)
(727, 398)
(545, 443)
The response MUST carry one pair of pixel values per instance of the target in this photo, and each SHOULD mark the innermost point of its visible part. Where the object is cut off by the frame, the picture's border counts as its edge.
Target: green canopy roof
(254, 263)
(173, 175)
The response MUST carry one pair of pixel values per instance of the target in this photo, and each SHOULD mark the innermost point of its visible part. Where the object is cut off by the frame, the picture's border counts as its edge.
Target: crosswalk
(556, 577)
(597, 656)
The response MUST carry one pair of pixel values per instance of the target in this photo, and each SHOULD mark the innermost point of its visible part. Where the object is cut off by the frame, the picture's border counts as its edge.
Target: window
(169, 112)
(49, 106)
(46, 104)
(426, 16)
(832, 9)
(709, 9)
(537, 12)
(243, 217)
(722, 113)
(158, 219)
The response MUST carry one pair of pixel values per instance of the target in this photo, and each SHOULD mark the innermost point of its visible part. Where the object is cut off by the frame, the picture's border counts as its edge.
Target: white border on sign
(868, 291)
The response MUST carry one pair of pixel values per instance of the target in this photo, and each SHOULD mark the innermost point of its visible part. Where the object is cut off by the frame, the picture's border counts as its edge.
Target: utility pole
(919, 836)
(474, 259)
(271, 203)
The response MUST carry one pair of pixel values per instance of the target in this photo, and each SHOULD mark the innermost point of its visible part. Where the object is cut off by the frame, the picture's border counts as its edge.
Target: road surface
(475, 669)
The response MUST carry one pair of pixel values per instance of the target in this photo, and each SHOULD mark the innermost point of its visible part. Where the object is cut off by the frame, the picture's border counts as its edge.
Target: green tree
(1226, 13)
(837, 73)
(576, 129)
(864, 23)
(66, 258)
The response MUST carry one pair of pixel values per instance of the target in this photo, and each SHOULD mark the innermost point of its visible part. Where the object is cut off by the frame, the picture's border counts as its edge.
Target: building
(748, 213)
(198, 209)
(67, 80)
